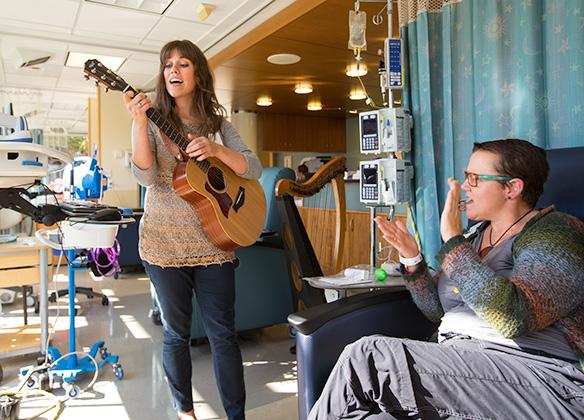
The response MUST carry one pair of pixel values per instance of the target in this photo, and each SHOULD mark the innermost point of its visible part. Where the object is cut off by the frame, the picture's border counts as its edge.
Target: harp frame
(296, 238)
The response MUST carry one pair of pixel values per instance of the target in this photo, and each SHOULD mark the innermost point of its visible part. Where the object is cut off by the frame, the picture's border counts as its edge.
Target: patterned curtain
(478, 70)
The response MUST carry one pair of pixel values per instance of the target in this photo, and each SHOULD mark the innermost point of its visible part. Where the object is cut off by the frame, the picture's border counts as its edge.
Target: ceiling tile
(114, 21)
(30, 81)
(54, 13)
(169, 29)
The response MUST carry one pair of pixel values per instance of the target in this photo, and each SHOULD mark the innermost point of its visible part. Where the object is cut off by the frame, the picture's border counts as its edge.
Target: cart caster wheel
(116, 276)
(30, 301)
(72, 390)
(105, 301)
(89, 296)
(118, 371)
(52, 298)
(32, 381)
(156, 319)
(291, 332)
(104, 352)
(37, 307)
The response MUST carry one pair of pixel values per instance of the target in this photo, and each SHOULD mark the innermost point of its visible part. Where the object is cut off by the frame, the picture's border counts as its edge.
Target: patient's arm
(422, 286)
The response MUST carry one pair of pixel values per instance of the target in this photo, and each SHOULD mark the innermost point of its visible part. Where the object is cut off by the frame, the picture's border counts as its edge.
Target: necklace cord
(491, 244)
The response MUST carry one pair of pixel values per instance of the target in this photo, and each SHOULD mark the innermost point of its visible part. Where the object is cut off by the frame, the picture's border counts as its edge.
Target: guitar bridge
(240, 199)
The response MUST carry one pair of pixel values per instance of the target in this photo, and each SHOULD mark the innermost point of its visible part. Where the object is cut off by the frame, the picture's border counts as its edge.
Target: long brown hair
(205, 102)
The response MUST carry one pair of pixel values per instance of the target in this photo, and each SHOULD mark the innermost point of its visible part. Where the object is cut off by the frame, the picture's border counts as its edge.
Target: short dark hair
(303, 169)
(520, 159)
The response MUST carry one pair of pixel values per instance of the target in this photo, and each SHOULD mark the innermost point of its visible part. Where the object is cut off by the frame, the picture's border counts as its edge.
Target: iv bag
(357, 25)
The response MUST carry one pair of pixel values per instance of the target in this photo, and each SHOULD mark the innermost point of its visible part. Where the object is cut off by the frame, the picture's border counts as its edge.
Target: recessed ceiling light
(356, 69)
(302, 88)
(75, 59)
(314, 106)
(357, 94)
(353, 111)
(283, 59)
(264, 101)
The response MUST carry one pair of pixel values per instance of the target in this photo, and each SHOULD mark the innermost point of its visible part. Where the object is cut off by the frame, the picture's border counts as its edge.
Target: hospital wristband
(410, 262)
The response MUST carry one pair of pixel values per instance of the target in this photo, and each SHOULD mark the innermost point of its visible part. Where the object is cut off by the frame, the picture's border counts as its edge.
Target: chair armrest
(323, 331)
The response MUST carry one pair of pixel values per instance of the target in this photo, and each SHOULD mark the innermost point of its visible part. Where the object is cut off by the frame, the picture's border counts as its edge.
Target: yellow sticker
(455, 290)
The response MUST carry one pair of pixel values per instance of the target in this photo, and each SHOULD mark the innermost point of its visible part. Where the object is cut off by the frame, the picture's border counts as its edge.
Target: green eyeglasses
(473, 179)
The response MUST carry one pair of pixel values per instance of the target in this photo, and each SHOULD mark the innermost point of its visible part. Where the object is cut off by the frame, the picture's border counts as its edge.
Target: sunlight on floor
(135, 327)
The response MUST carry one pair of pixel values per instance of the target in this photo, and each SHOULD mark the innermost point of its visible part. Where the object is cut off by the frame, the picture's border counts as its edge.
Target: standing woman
(178, 256)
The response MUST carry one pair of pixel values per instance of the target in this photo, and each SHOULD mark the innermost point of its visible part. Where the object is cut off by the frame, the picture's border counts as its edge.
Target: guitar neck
(170, 131)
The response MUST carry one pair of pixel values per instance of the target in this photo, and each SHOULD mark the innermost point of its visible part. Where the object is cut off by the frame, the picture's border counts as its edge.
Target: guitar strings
(180, 141)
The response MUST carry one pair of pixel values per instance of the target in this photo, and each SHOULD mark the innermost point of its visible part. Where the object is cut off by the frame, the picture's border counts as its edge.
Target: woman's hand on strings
(451, 219)
(137, 105)
(201, 148)
(398, 236)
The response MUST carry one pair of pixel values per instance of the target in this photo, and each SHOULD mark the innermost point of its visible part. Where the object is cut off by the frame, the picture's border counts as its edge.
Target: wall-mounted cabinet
(299, 133)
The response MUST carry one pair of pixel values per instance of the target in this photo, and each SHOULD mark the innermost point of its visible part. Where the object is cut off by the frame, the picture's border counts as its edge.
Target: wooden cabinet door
(300, 133)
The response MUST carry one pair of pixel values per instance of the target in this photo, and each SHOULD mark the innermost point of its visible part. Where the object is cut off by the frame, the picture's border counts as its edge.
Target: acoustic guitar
(232, 210)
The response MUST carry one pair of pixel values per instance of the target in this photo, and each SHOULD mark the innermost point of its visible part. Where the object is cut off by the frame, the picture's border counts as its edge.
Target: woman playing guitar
(177, 254)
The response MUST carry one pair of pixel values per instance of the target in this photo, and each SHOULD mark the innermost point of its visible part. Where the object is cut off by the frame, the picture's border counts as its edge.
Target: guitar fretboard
(171, 132)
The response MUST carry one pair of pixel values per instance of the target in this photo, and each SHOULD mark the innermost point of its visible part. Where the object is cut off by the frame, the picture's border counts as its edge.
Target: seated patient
(510, 298)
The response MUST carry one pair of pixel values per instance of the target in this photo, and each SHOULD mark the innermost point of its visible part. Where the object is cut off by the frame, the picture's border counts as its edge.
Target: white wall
(116, 126)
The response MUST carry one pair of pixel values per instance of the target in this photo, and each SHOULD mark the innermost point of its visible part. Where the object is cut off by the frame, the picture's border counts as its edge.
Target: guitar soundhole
(215, 176)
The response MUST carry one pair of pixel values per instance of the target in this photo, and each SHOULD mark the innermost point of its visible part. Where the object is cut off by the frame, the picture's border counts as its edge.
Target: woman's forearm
(233, 159)
(141, 153)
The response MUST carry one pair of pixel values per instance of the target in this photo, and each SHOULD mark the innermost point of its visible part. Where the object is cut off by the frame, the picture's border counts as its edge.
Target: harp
(314, 234)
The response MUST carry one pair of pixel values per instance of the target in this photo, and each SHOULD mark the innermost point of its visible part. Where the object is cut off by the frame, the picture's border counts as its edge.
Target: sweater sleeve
(233, 140)
(422, 286)
(545, 285)
(146, 176)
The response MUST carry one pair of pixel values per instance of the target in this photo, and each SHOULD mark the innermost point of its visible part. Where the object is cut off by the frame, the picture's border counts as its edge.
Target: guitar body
(232, 209)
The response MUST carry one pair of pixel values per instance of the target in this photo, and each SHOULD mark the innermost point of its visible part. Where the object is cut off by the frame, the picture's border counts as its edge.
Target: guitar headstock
(93, 68)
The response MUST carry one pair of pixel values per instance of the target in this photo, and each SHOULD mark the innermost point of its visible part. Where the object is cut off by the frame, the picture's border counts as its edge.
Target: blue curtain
(483, 69)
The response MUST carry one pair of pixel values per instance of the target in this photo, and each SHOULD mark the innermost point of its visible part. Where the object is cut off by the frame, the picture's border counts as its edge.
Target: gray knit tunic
(170, 232)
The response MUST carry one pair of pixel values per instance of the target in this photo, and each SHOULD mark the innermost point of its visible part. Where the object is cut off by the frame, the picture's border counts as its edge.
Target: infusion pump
(385, 182)
(385, 130)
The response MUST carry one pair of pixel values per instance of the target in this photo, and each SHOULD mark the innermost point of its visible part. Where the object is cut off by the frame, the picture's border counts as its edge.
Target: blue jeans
(214, 287)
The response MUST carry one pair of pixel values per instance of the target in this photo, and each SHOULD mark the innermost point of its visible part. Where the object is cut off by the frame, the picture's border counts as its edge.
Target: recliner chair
(263, 293)
(323, 331)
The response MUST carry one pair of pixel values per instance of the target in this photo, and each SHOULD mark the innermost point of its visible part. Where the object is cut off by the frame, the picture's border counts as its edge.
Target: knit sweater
(546, 285)
(171, 234)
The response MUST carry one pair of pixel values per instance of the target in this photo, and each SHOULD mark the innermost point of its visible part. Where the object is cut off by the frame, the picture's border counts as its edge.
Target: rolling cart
(69, 367)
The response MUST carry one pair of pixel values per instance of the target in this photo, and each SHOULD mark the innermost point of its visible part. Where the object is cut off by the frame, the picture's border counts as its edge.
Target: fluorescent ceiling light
(356, 69)
(75, 59)
(283, 59)
(302, 88)
(264, 101)
(314, 106)
(357, 94)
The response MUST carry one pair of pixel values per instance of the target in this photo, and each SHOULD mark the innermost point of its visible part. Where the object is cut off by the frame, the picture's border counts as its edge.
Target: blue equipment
(87, 178)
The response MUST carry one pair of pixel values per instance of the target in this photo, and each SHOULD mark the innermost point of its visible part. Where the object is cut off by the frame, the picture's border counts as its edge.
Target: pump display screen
(369, 125)
(369, 176)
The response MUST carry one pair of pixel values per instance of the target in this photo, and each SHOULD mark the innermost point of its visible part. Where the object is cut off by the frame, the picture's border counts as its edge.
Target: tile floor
(270, 369)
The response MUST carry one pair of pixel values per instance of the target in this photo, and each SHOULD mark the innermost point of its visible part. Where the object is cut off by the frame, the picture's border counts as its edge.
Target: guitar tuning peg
(86, 77)
(106, 90)
(96, 84)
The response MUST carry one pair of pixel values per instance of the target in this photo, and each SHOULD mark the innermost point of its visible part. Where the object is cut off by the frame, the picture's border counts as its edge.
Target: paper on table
(361, 274)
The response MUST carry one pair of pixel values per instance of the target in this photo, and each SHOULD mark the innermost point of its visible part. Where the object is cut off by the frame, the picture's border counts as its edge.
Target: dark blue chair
(263, 287)
(323, 331)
